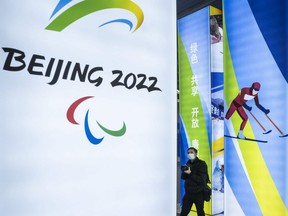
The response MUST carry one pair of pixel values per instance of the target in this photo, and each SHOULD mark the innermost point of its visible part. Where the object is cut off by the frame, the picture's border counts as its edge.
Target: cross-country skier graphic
(247, 93)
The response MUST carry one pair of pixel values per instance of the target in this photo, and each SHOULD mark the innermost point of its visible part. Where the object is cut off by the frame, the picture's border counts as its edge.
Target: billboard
(194, 87)
(255, 67)
(88, 111)
(217, 110)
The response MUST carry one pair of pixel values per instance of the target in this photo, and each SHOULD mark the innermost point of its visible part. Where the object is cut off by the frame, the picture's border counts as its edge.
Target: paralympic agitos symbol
(85, 7)
(94, 140)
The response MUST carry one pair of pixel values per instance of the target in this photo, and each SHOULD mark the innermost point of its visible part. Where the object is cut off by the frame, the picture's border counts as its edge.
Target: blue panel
(271, 17)
(195, 28)
(254, 62)
(183, 153)
(238, 180)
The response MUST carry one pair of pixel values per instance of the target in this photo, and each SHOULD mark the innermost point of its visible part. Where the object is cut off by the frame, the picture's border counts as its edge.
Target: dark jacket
(198, 178)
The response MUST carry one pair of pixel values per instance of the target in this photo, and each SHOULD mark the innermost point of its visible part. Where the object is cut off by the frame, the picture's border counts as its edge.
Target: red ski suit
(237, 104)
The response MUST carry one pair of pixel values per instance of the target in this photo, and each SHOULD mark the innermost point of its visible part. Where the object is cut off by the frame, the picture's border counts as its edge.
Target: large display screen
(255, 86)
(217, 110)
(88, 108)
(194, 87)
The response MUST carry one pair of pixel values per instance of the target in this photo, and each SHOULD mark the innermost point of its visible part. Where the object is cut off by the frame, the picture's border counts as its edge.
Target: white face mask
(191, 156)
(254, 92)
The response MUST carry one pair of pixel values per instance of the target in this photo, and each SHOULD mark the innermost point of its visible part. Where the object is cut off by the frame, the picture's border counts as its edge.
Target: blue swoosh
(121, 21)
(60, 5)
(91, 138)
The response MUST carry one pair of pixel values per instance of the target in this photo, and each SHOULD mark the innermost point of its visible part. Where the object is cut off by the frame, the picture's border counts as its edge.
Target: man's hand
(188, 171)
(266, 111)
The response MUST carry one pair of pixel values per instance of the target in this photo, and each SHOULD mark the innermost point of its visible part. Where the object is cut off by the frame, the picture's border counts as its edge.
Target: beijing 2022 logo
(68, 11)
(93, 139)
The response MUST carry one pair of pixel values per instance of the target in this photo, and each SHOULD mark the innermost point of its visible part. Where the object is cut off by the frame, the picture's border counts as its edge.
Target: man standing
(239, 102)
(196, 177)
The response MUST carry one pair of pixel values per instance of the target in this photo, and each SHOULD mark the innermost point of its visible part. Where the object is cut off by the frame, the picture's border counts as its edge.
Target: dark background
(185, 7)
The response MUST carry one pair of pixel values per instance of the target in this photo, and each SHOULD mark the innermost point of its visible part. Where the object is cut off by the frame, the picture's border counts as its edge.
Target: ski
(284, 135)
(247, 139)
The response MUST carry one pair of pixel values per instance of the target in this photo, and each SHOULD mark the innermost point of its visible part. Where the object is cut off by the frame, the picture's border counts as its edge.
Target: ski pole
(260, 124)
(276, 126)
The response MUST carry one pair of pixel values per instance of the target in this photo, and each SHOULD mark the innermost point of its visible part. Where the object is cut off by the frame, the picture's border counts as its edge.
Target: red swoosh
(72, 108)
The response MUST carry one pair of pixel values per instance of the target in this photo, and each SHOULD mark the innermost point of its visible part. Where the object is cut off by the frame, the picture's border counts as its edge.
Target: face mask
(254, 92)
(191, 156)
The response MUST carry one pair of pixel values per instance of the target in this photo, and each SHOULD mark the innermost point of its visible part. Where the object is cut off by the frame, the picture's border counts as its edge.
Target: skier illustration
(247, 93)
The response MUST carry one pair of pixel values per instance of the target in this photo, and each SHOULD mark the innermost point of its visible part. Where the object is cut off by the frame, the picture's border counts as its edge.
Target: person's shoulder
(245, 89)
(202, 162)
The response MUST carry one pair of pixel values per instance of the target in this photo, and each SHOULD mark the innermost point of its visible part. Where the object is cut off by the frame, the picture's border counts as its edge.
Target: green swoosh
(86, 7)
(120, 132)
